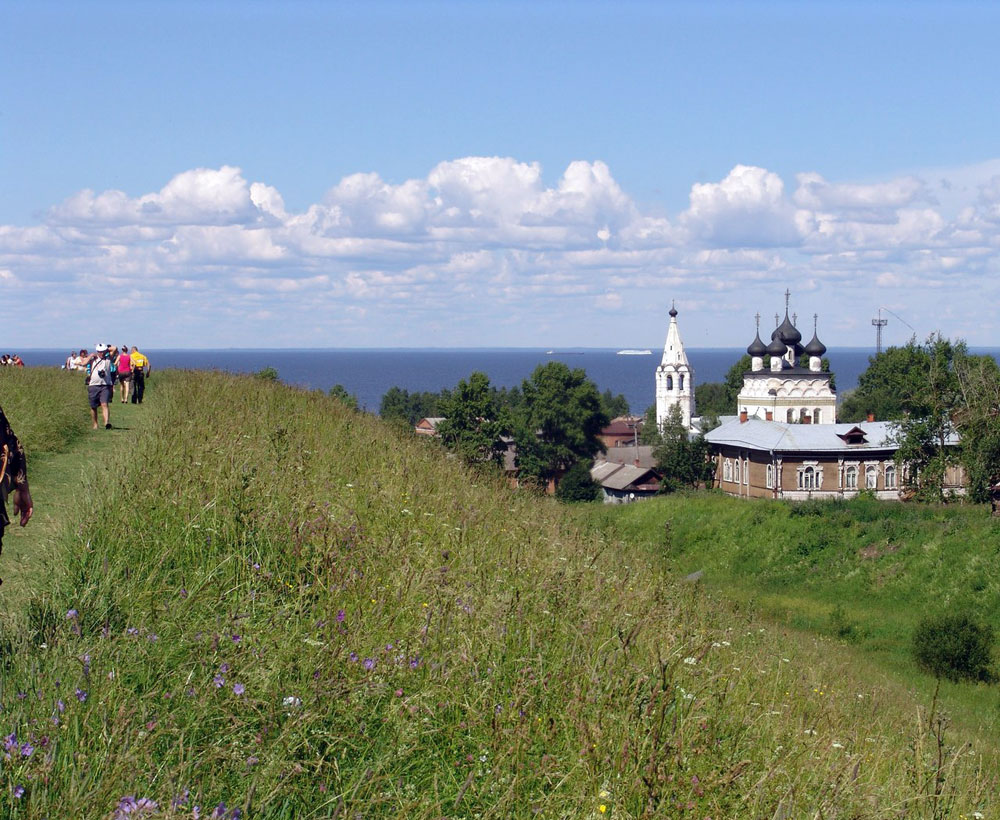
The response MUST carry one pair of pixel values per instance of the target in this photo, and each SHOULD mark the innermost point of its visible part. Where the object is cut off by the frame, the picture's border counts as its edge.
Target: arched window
(736, 473)
(727, 470)
(890, 476)
(670, 382)
(851, 478)
(770, 476)
(808, 478)
(790, 415)
(680, 380)
(871, 477)
(817, 416)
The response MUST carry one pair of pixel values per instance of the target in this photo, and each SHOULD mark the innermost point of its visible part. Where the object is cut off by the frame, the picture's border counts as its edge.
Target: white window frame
(812, 471)
(871, 477)
(770, 476)
(890, 476)
(727, 470)
(736, 471)
(851, 477)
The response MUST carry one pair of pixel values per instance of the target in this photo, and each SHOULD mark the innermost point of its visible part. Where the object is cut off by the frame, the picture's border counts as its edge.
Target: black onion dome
(815, 347)
(788, 333)
(777, 347)
(672, 312)
(757, 347)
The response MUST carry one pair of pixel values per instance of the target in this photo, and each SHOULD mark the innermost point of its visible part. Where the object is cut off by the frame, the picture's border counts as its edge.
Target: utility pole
(879, 323)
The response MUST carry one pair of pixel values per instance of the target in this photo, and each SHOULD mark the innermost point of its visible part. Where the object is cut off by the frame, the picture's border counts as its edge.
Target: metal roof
(756, 434)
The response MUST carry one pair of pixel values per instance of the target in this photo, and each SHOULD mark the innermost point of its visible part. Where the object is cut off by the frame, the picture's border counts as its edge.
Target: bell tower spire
(674, 376)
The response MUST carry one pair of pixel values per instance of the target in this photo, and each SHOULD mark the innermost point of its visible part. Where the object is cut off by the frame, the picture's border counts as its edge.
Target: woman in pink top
(124, 364)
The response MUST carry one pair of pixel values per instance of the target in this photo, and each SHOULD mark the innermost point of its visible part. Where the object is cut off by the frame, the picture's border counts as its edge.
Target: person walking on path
(124, 365)
(100, 383)
(140, 370)
(13, 477)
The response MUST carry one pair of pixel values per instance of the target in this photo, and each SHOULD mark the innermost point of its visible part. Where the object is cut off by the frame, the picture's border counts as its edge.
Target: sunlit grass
(305, 614)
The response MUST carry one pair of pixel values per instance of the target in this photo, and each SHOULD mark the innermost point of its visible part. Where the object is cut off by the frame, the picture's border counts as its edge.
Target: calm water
(368, 374)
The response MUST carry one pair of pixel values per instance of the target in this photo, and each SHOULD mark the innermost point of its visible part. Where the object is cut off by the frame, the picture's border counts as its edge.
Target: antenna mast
(879, 323)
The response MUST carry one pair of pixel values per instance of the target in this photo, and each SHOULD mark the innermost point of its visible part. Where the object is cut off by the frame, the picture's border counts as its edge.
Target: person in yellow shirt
(140, 370)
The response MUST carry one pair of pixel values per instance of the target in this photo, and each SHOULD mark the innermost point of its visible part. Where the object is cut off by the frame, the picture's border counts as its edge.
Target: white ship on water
(635, 352)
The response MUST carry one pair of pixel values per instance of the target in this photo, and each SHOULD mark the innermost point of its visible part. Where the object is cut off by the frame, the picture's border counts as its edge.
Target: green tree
(978, 422)
(473, 424)
(956, 647)
(577, 485)
(891, 387)
(713, 399)
(398, 403)
(614, 406)
(268, 374)
(339, 392)
(930, 397)
(680, 460)
(650, 433)
(559, 423)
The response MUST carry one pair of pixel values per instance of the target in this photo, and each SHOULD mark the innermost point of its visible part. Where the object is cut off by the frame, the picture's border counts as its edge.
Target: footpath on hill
(32, 556)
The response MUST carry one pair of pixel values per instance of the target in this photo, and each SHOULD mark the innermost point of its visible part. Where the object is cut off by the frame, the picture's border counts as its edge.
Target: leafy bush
(268, 374)
(577, 485)
(954, 647)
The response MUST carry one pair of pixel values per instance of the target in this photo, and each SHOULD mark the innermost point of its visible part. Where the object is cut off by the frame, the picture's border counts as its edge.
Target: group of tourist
(105, 367)
(8, 360)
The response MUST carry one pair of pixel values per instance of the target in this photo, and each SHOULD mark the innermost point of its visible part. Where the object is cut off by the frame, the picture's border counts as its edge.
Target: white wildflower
(291, 701)
(690, 661)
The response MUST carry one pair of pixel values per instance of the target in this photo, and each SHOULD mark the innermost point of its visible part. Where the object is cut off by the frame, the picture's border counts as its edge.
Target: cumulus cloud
(489, 238)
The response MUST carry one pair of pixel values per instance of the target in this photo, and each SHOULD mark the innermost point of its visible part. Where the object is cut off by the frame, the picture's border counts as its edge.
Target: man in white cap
(100, 383)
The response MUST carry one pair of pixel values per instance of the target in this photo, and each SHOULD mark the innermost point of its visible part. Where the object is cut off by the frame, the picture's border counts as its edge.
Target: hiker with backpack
(100, 383)
(13, 477)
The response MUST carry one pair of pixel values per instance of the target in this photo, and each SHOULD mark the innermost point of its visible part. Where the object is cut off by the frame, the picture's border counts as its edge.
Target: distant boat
(635, 352)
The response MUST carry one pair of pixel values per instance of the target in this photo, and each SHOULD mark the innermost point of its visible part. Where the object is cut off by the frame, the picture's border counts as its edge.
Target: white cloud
(481, 241)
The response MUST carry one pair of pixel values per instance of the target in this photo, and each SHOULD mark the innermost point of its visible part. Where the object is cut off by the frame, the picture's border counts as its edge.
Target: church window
(810, 478)
(790, 415)
(890, 476)
(727, 470)
(817, 416)
(680, 380)
(871, 477)
(770, 476)
(851, 478)
(670, 382)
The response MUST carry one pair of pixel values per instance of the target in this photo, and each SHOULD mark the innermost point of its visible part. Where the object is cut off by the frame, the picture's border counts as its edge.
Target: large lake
(368, 374)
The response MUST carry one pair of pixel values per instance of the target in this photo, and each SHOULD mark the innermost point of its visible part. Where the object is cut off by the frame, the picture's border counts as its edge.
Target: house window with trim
(727, 470)
(770, 476)
(890, 476)
(871, 477)
(736, 474)
(810, 477)
(851, 478)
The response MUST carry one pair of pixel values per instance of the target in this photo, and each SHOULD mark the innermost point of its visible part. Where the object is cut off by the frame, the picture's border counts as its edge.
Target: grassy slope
(306, 615)
(864, 571)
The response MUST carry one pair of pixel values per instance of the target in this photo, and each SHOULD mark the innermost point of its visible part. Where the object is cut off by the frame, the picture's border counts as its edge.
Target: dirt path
(31, 554)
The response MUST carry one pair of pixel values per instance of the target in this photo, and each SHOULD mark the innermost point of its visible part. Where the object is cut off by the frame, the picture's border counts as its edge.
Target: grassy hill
(273, 603)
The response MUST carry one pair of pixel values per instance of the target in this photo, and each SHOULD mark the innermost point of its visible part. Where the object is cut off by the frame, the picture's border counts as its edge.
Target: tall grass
(306, 615)
(46, 407)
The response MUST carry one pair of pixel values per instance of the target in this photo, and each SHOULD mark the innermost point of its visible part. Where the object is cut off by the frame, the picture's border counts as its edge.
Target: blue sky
(466, 174)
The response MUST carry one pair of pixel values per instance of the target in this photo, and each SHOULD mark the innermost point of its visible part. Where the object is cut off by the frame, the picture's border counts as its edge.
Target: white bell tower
(674, 377)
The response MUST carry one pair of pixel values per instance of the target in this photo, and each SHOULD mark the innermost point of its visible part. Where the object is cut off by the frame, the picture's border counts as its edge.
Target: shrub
(577, 485)
(954, 647)
(268, 374)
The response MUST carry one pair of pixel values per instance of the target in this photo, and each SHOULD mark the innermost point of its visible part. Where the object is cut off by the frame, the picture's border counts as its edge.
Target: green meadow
(248, 600)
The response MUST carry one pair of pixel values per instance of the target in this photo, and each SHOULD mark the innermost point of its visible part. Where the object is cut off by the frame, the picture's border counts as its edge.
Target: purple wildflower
(224, 668)
(27, 750)
(220, 812)
(22, 695)
(341, 615)
(132, 631)
(237, 638)
(219, 681)
(71, 614)
(354, 657)
(10, 742)
(85, 660)
(369, 664)
(181, 799)
(184, 593)
(81, 695)
(153, 637)
(19, 791)
(238, 689)
(414, 663)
